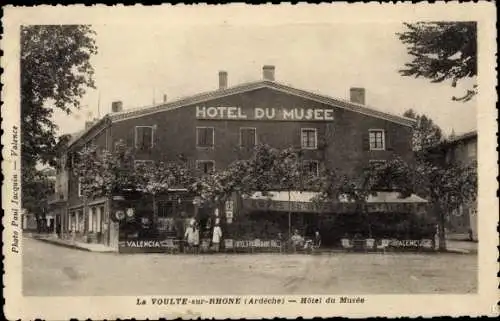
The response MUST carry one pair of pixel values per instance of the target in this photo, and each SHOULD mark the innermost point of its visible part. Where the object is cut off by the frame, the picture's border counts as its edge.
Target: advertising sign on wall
(147, 246)
(268, 113)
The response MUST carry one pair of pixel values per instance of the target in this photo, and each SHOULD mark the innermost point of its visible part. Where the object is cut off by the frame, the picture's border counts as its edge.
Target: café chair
(369, 244)
(229, 244)
(346, 244)
(383, 245)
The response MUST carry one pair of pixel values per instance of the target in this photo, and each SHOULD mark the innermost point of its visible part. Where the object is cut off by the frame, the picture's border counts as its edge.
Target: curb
(70, 246)
(460, 251)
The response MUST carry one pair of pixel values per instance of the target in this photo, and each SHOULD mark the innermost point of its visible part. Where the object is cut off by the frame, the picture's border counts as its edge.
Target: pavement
(50, 270)
(91, 247)
(454, 245)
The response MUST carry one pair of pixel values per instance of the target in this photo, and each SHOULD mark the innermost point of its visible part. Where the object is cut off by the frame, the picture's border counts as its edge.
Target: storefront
(384, 215)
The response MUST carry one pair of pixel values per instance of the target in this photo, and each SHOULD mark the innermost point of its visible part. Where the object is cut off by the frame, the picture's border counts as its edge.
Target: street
(51, 270)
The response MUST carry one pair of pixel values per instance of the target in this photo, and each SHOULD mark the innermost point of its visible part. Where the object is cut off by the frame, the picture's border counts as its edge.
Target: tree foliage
(426, 133)
(41, 186)
(105, 173)
(55, 73)
(442, 51)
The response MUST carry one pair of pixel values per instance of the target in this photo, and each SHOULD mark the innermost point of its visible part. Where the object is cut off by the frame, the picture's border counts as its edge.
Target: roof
(75, 136)
(246, 87)
(298, 196)
(462, 137)
(199, 98)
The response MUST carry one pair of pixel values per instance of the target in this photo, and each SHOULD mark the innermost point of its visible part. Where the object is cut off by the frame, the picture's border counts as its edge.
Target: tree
(446, 187)
(426, 133)
(55, 73)
(104, 173)
(442, 51)
(41, 187)
(156, 178)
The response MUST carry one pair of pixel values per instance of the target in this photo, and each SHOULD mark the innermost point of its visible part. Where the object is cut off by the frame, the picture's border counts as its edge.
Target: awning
(298, 201)
(299, 196)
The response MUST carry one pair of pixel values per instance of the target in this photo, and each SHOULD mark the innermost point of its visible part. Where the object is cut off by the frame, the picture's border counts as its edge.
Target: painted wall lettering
(268, 113)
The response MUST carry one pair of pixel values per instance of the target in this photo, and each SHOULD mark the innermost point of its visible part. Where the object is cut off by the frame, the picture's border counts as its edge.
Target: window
(205, 166)
(309, 138)
(143, 137)
(80, 192)
(248, 137)
(141, 162)
(471, 150)
(377, 139)
(377, 162)
(310, 168)
(205, 137)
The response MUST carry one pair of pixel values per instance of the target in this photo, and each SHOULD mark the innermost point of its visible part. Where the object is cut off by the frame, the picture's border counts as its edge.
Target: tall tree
(426, 133)
(442, 51)
(55, 73)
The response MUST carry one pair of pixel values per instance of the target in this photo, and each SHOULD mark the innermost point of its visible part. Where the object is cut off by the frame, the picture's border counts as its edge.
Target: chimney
(164, 98)
(268, 72)
(358, 95)
(222, 79)
(116, 106)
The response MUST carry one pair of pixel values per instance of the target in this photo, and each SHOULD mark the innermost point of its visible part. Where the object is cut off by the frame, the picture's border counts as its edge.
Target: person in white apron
(216, 236)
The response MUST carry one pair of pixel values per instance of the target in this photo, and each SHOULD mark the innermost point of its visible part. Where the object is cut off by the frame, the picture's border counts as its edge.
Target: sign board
(408, 244)
(310, 207)
(147, 246)
(268, 113)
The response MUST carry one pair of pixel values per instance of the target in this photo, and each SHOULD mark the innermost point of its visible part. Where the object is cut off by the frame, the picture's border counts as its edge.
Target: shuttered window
(144, 137)
(205, 137)
(248, 137)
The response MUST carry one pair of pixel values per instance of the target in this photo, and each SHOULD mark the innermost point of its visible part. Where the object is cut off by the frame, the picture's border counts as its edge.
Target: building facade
(213, 129)
(460, 150)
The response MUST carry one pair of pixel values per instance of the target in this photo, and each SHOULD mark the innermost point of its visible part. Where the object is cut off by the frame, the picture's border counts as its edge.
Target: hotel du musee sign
(268, 113)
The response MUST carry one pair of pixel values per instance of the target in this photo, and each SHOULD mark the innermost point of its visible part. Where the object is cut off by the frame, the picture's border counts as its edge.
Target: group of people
(298, 241)
(192, 235)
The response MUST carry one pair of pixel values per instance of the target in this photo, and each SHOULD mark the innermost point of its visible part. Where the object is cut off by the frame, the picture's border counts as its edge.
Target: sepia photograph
(242, 163)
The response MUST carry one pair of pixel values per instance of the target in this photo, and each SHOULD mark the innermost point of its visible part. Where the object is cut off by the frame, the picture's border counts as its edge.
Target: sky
(139, 62)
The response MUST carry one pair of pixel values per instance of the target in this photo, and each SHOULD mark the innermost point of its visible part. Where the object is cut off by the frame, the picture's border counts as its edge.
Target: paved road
(53, 270)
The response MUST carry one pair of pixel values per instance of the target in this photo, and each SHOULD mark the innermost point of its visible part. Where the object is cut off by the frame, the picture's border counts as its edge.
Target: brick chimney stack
(222, 79)
(116, 106)
(358, 95)
(268, 72)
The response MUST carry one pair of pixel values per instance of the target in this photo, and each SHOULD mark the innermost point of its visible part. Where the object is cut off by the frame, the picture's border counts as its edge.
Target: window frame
(241, 136)
(137, 161)
(197, 137)
(152, 136)
(376, 130)
(199, 161)
(306, 161)
(302, 130)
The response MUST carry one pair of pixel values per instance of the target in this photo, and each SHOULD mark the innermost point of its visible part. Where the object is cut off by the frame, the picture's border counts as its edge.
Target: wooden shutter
(365, 141)
(389, 134)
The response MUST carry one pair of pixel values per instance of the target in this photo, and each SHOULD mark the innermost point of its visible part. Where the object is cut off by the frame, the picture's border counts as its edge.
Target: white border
(105, 307)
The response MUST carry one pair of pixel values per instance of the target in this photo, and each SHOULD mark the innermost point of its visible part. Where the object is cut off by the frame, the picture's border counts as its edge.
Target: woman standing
(216, 236)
